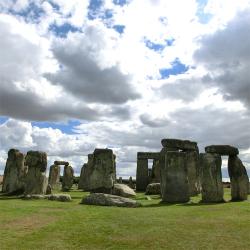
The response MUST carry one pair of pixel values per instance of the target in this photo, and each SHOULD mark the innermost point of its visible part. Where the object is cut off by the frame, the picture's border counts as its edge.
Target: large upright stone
(192, 172)
(176, 144)
(211, 177)
(100, 174)
(81, 179)
(156, 175)
(54, 176)
(238, 178)
(174, 179)
(14, 172)
(36, 181)
(222, 150)
(68, 178)
(142, 178)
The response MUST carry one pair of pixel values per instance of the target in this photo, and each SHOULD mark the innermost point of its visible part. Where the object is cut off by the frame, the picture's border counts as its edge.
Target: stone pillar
(14, 172)
(131, 183)
(156, 177)
(174, 179)
(36, 181)
(68, 178)
(120, 180)
(192, 172)
(238, 178)
(211, 177)
(142, 174)
(54, 176)
(81, 179)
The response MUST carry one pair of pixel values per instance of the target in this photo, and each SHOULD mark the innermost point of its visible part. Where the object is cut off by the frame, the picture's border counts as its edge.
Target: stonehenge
(13, 180)
(178, 172)
(35, 180)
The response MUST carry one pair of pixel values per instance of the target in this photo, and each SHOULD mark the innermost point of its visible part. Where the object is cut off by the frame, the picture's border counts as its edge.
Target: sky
(123, 74)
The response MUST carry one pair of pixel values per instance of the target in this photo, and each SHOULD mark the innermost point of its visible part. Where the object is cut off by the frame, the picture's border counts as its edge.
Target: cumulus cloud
(85, 71)
(226, 56)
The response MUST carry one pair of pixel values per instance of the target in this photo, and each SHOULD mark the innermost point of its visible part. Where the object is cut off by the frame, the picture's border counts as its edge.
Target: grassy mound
(43, 224)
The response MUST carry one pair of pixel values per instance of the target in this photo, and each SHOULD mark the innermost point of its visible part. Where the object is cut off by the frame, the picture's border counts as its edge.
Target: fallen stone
(211, 178)
(176, 144)
(34, 197)
(153, 188)
(123, 190)
(174, 179)
(222, 150)
(109, 200)
(59, 197)
(238, 179)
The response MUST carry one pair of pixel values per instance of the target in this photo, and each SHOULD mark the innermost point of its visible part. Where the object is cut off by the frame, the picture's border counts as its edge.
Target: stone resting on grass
(174, 179)
(153, 188)
(36, 181)
(211, 178)
(14, 172)
(109, 200)
(123, 190)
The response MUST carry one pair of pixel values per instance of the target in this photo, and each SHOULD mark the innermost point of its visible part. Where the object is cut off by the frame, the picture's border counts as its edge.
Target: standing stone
(131, 183)
(156, 176)
(86, 172)
(100, 173)
(142, 174)
(81, 179)
(14, 172)
(238, 178)
(54, 176)
(211, 177)
(36, 181)
(174, 180)
(192, 172)
(120, 180)
(68, 178)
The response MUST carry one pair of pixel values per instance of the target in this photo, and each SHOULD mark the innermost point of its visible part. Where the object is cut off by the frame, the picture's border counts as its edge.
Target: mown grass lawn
(43, 224)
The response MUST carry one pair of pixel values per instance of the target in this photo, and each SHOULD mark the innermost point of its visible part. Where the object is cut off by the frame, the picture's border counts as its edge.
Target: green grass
(43, 224)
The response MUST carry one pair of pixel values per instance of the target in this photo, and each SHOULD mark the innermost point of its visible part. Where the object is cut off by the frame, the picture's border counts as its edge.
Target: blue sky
(123, 74)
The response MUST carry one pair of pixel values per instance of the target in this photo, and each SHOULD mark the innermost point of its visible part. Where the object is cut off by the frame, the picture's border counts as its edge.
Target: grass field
(43, 224)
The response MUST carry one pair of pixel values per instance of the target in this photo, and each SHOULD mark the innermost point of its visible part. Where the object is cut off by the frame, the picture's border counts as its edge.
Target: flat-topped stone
(222, 150)
(109, 200)
(148, 155)
(65, 163)
(176, 144)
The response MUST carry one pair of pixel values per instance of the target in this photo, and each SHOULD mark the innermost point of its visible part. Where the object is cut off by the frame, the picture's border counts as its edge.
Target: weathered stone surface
(192, 172)
(156, 175)
(120, 180)
(153, 188)
(81, 179)
(54, 176)
(49, 189)
(148, 155)
(142, 179)
(176, 144)
(222, 150)
(211, 177)
(64, 163)
(68, 178)
(59, 197)
(14, 172)
(34, 197)
(109, 200)
(131, 183)
(174, 179)
(100, 172)
(238, 178)
(36, 181)
(123, 190)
